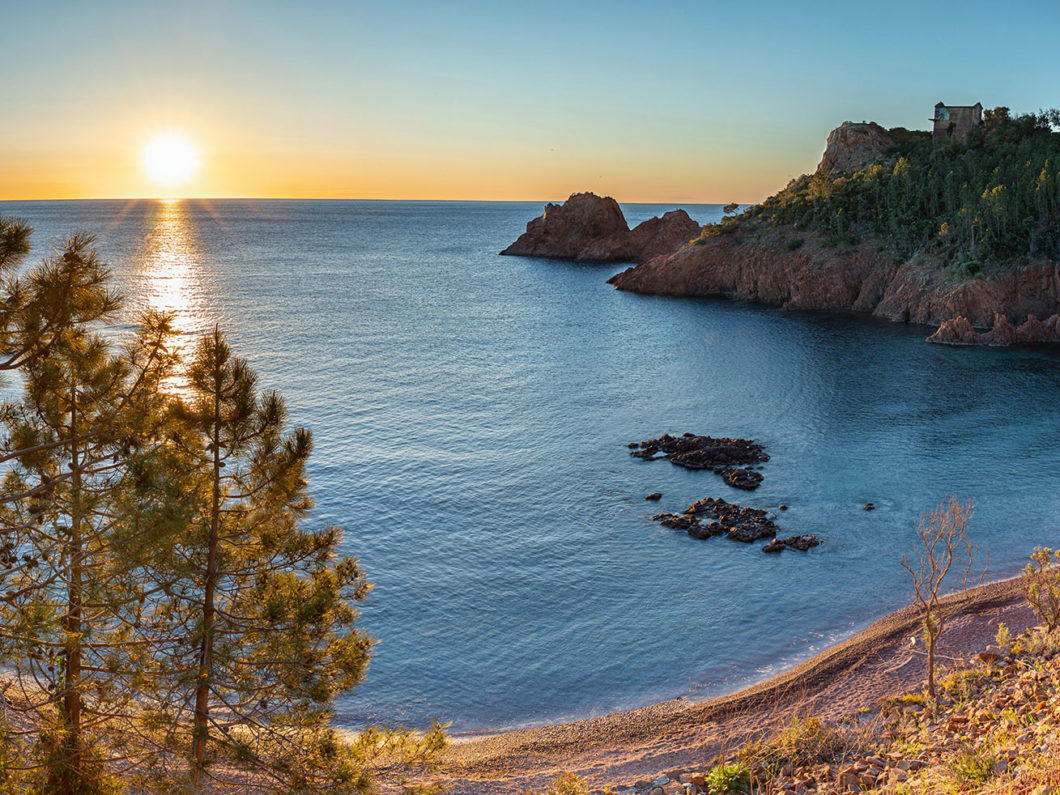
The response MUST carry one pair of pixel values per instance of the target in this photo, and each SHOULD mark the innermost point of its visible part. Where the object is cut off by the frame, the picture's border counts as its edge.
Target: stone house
(954, 122)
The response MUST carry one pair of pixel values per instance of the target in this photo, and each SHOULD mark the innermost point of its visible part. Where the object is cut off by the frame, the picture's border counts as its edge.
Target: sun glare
(170, 160)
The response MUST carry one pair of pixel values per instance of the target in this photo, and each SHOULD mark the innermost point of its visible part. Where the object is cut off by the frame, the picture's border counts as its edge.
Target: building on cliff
(954, 122)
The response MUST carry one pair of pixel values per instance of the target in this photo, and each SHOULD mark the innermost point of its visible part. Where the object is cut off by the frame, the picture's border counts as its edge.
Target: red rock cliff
(861, 279)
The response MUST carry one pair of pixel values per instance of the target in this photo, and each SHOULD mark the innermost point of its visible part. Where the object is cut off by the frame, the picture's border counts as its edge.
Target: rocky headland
(591, 228)
(795, 267)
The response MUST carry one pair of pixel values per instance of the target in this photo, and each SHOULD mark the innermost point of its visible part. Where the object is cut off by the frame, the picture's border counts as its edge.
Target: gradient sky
(649, 101)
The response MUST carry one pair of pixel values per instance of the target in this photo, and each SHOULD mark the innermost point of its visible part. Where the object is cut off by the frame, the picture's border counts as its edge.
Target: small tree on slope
(942, 542)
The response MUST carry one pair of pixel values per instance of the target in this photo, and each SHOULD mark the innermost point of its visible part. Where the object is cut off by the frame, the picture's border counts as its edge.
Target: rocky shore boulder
(959, 331)
(591, 228)
(851, 147)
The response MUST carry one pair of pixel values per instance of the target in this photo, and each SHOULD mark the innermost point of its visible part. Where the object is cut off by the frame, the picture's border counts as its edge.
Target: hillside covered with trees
(962, 235)
(993, 200)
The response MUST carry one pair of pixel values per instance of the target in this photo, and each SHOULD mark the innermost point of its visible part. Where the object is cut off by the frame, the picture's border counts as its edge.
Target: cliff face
(591, 228)
(852, 146)
(861, 279)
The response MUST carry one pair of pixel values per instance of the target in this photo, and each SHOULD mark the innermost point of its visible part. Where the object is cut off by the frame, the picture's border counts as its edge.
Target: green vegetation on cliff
(995, 199)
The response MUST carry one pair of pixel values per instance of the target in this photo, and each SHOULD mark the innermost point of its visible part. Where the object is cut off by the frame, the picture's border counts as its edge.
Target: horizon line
(169, 199)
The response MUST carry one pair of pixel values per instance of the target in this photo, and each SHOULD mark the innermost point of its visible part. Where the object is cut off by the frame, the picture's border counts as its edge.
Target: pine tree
(65, 290)
(85, 441)
(265, 605)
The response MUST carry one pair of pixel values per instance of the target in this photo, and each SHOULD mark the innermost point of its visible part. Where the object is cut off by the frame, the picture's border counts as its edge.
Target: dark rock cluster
(714, 516)
(800, 542)
(730, 458)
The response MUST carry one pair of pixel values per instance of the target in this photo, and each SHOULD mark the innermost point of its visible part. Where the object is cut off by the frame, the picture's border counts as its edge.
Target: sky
(662, 101)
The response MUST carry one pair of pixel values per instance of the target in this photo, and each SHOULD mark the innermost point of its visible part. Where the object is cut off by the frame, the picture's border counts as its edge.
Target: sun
(170, 160)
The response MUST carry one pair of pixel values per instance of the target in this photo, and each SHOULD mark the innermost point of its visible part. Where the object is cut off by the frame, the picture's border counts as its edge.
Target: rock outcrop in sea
(591, 228)
(713, 516)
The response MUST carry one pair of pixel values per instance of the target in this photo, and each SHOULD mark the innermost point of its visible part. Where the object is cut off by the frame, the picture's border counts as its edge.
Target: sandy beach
(617, 750)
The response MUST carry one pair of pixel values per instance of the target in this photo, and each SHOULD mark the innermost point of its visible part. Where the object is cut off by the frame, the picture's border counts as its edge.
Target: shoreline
(882, 659)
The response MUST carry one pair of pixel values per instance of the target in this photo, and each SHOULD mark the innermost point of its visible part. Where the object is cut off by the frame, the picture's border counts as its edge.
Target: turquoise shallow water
(471, 414)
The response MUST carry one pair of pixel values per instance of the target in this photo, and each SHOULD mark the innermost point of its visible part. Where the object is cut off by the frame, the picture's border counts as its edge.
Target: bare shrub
(942, 542)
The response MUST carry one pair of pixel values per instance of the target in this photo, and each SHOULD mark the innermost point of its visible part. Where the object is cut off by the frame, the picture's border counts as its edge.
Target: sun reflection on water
(170, 274)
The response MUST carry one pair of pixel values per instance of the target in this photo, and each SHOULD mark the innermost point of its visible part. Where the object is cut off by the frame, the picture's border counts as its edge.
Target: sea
(471, 414)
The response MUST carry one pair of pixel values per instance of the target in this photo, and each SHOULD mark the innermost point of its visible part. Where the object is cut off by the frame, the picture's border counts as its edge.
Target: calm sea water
(471, 415)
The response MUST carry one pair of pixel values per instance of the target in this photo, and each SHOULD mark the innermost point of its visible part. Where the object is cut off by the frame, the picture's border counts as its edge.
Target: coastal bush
(729, 778)
(972, 768)
(805, 741)
(1037, 641)
(1041, 583)
(961, 685)
(1003, 638)
(566, 784)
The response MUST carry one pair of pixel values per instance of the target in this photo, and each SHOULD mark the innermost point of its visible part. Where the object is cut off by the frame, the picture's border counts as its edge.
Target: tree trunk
(72, 653)
(931, 664)
(201, 731)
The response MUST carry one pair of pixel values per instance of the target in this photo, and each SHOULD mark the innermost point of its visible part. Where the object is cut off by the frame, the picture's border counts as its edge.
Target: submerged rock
(802, 542)
(655, 495)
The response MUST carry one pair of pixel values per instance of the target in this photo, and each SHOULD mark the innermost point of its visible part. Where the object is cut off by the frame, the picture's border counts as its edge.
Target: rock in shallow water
(802, 542)
(738, 522)
(730, 458)
(738, 478)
